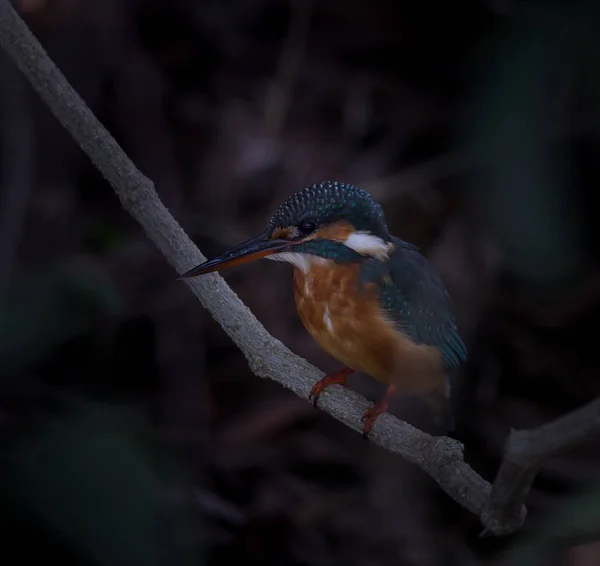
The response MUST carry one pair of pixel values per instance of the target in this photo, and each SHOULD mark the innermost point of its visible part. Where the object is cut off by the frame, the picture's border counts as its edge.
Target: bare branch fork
(500, 508)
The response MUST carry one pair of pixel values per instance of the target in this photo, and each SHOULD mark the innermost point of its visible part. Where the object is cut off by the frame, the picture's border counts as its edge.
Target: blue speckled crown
(329, 202)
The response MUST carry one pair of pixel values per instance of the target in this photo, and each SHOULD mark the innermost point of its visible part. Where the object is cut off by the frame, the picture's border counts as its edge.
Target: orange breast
(348, 323)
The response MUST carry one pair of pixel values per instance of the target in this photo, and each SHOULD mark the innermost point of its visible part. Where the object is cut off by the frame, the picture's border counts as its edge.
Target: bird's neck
(318, 253)
(302, 262)
(344, 247)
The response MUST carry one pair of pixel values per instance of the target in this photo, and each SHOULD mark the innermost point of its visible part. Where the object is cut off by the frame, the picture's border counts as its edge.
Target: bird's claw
(338, 378)
(372, 414)
(370, 417)
(316, 391)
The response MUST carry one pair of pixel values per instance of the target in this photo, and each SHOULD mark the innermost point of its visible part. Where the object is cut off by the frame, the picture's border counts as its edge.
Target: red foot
(337, 378)
(371, 415)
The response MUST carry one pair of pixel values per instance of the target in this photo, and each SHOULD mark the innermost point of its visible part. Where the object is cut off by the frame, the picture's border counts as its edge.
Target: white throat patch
(303, 262)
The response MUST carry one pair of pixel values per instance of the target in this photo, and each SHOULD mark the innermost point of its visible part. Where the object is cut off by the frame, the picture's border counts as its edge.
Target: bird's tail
(443, 412)
(441, 403)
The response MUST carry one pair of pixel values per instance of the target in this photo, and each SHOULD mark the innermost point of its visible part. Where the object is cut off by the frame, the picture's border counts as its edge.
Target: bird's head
(326, 221)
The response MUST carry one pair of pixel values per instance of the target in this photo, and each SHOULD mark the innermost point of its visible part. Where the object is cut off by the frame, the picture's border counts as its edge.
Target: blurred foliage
(575, 522)
(46, 307)
(90, 475)
(523, 114)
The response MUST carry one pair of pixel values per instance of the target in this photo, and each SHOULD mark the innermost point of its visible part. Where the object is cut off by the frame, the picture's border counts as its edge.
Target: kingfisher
(368, 298)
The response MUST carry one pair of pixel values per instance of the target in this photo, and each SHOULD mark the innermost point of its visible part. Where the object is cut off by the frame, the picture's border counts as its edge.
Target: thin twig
(524, 453)
(440, 457)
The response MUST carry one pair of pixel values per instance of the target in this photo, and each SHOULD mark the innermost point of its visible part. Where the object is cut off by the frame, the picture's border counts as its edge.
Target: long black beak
(255, 248)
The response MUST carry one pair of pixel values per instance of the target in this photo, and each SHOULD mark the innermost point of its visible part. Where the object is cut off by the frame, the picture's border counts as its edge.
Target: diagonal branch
(440, 457)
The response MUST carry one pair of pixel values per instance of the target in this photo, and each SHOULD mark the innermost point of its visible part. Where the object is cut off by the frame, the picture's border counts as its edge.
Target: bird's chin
(304, 262)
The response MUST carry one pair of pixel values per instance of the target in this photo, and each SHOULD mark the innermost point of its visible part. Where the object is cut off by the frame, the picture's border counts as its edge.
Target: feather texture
(414, 296)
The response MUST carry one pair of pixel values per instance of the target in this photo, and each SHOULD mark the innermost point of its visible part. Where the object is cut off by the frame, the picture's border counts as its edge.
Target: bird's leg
(377, 409)
(337, 378)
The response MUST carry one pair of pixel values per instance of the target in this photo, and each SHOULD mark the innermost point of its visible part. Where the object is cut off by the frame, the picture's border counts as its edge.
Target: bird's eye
(307, 226)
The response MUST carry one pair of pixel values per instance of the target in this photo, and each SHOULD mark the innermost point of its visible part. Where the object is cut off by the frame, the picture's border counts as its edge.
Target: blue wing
(415, 297)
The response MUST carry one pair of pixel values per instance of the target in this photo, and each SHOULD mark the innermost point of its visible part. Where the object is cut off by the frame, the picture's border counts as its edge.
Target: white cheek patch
(366, 243)
(303, 262)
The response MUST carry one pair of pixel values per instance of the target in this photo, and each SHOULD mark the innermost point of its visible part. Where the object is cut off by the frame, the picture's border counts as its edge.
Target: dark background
(131, 429)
